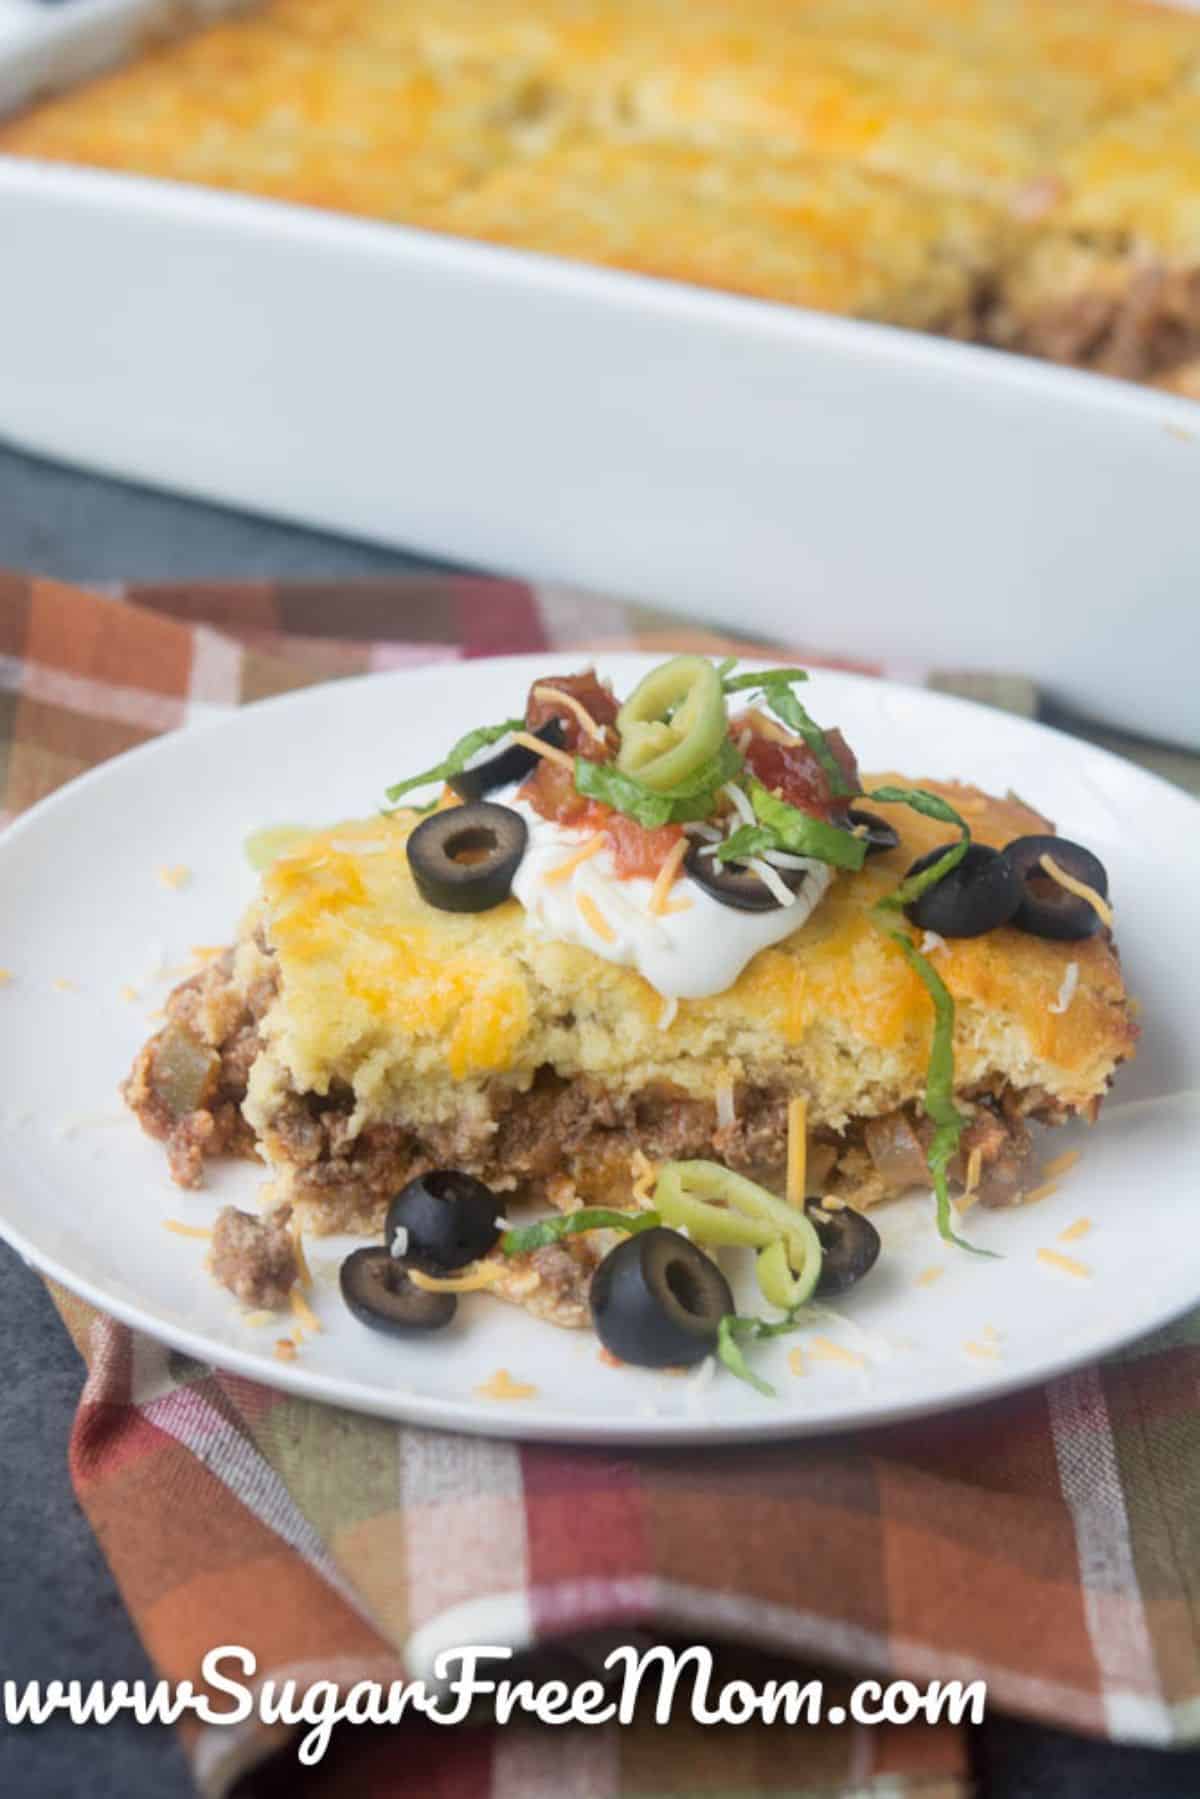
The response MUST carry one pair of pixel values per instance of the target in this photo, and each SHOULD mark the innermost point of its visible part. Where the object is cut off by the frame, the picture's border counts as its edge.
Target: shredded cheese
(592, 915)
(562, 870)
(1073, 1232)
(301, 1258)
(832, 1203)
(180, 1229)
(665, 879)
(176, 876)
(285, 1349)
(6, 975)
(645, 1174)
(796, 1361)
(1066, 1264)
(990, 1334)
(256, 1320)
(762, 726)
(304, 1312)
(529, 742)
(797, 1149)
(1066, 992)
(129, 994)
(1080, 889)
(501, 1385)
(666, 1017)
(964, 1202)
(983, 1352)
(723, 1095)
(974, 1169)
(62, 985)
(1042, 1192)
(927, 1276)
(557, 697)
(1053, 1170)
(772, 880)
(472, 1280)
(824, 1349)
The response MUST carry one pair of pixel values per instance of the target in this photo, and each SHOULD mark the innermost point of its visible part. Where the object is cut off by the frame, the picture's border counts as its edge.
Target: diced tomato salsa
(597, 700)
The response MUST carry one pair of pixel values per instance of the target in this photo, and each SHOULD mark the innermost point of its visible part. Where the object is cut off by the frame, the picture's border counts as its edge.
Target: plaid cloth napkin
(1048, 1543)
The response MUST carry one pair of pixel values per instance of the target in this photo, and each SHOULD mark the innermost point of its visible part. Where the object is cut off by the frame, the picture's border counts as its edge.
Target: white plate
(85, 1194)
(879, 493)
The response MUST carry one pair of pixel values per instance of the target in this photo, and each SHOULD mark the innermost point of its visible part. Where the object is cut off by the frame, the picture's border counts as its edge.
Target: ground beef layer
(560, 1142)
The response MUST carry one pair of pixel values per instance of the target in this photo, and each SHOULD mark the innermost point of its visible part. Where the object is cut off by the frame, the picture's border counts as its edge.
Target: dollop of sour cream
(688, 953)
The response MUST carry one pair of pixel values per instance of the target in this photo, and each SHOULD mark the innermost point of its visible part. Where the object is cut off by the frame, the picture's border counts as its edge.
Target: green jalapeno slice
(672, 723)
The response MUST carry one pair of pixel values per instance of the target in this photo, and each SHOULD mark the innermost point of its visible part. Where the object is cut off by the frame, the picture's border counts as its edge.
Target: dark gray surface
(60, 1615)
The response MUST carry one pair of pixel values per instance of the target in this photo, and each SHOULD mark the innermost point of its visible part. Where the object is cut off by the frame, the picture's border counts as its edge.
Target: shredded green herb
(735, 1325)
(777, 688)
(693, 798)
(939, 1089)
(784, 827)
(932, 806)
(525, 1237)
(457, 760)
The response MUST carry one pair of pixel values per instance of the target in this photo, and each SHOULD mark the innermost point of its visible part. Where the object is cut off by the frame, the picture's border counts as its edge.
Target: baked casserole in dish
(1021, 173)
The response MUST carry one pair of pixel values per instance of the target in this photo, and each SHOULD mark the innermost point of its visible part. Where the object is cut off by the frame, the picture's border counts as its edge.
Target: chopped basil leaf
(693, 798)
(939, 1089)
(570, 1224)
(784, 827)
(932, 806)
(457, 760)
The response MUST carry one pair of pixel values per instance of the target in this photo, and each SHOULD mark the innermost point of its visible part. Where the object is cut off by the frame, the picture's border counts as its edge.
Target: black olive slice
(449, 1219)
(464, 859)
(880, 835)
(979, 893)
(657, 1300)
(507, 765)
(736, 885)
(1046, 909)
(849, 1247)
(378, 1291)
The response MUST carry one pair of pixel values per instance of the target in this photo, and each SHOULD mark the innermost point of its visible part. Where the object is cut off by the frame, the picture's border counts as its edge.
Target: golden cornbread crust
(377, 1036)
(1023, 173)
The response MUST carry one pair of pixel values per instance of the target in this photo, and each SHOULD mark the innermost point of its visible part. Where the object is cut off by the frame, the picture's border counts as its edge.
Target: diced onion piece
(562, 870)
(1080, 889)
(557, 697)
(665, 879)
(529, 742)
(797, 1149)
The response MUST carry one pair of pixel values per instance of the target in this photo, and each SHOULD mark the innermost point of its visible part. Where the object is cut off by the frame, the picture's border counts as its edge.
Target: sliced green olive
(672, 723)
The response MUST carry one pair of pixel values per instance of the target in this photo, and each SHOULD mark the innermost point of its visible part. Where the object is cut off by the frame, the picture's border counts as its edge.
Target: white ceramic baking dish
(842, 486)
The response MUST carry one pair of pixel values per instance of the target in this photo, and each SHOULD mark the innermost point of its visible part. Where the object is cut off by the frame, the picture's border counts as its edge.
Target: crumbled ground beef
(558, 1142)
(255, 1257)
(187, 1083)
